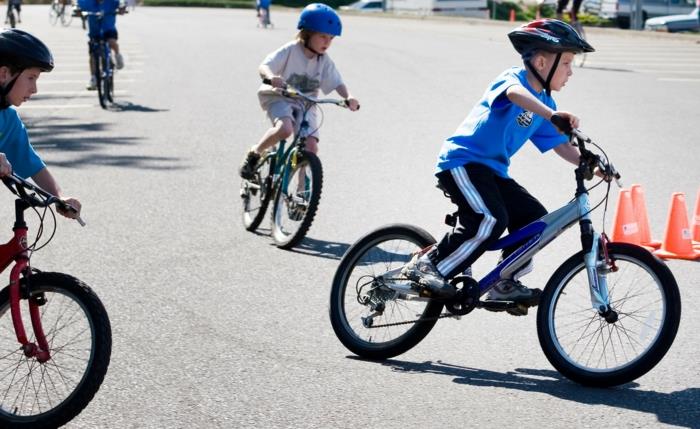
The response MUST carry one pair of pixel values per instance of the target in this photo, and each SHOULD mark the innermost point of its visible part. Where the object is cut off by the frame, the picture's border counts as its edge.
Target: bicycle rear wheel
(580, 59)
(586, 348)
(296, 201)
(359, 291)
(256, 193)
(47, 395)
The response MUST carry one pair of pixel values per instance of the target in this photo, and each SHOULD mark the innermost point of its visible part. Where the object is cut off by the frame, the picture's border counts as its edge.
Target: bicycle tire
(255, 201)
(613, 367)
(580, 59)
(393, 246)
(291, 220)
(103, 84)
(71, 338)
(98, 76)
(13, 19)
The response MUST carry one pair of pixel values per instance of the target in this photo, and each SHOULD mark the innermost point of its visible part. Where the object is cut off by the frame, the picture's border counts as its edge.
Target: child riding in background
(106, 29)
(473, 163)
(303, 64)
(23, 58)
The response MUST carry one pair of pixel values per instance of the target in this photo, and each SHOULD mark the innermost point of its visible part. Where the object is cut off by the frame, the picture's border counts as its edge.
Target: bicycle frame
(16, 250)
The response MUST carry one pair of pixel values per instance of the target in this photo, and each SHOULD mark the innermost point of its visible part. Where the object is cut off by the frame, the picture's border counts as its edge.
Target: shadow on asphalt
(57, 134)
(321, 248)
(131, 107)
(676, 408)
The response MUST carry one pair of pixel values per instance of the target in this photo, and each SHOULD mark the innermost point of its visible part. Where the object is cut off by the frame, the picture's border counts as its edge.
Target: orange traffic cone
(625, 227)
(640, 213)
(511, 18)
(696, 222)
(677, 239)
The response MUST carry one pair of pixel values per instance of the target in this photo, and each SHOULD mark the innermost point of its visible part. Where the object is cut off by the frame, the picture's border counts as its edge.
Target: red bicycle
(49, 375)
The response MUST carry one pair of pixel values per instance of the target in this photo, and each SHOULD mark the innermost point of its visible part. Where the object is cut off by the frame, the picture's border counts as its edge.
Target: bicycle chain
(408, 322)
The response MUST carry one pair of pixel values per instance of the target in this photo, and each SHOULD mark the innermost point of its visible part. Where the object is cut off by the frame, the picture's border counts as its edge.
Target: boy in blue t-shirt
(106, 29)
(23, 58)
(473, 164)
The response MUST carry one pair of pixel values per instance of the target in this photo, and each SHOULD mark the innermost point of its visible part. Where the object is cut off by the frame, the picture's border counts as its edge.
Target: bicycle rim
(67, 15)
(49, 394)
(296, 200)
(53, 14)
(255, 196)
(356, 284)
(648, 318)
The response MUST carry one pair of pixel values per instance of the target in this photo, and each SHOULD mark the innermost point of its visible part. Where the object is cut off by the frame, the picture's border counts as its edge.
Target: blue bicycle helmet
(321, 18)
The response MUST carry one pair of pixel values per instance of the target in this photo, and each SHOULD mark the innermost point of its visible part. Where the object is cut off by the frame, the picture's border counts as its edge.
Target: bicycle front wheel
(586, 348)
(255, 194)
(358, 292)
(296, 200)
(47, 395)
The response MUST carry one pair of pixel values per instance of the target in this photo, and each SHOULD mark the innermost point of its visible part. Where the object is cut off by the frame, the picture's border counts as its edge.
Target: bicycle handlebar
(590, 159)
(19, 187)
(292, 92)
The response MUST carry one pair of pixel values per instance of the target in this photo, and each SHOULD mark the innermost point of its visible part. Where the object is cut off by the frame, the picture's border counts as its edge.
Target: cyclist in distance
(108, 27)
(17, 4)
(473, 163)
(23, 58)
(561, 5)
(304, 64)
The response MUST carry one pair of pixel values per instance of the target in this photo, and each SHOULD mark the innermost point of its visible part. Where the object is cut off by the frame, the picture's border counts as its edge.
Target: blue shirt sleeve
(14, 143)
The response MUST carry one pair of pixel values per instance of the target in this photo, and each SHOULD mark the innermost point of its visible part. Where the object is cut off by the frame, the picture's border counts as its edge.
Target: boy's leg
(281, 115)
(482, 218)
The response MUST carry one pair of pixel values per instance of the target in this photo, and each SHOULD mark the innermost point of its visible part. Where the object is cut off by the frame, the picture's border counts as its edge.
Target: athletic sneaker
(247, 170)
(92, 86)
(120, 61)
(509, 290)
(422, 271)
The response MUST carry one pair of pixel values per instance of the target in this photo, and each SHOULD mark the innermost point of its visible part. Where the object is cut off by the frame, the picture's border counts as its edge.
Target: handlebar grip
(561, 123)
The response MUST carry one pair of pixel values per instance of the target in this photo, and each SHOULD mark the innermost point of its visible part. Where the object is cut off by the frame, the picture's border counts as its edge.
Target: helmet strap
(4, 90)
(545, 83)
(307, 46)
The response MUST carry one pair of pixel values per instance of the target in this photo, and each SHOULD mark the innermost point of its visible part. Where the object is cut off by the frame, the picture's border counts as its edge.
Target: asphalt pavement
(213, 326)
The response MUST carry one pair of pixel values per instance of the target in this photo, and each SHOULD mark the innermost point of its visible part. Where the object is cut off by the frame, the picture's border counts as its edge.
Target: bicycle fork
(40, 349)
(598, 266)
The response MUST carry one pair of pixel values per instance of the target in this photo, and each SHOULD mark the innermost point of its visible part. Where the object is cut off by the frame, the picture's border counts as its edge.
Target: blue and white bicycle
(607, 315)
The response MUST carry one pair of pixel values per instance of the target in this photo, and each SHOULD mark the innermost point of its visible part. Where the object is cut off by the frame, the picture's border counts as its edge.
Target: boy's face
(561, 75)
(320, 42)
(24, 87)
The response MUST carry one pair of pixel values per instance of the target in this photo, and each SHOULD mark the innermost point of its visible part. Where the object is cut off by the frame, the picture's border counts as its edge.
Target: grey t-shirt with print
(307, 74)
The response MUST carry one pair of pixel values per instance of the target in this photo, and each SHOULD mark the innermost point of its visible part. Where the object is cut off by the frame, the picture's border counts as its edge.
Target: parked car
(364, 6)
(674, 23)
(621, 10)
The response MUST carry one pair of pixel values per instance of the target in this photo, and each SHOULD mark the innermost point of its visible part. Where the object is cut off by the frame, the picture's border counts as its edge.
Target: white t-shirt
(307, 74)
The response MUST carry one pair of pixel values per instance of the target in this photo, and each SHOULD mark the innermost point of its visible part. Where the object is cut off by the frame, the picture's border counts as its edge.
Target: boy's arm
(266, 73)
(517, 94)
(353, 104)
(568, 152)
(45, 180)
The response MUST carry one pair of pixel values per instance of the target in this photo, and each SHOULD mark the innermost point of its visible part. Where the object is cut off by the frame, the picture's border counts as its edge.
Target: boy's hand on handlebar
(352, 103)
(5, 166)
(567, 116)
(72, 212)
(278, 82)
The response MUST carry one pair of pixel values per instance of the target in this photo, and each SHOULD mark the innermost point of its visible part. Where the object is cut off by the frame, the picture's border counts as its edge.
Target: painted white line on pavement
(57, 106)
(678, 79)
(44, 82)
(87, 71)
(78, 93)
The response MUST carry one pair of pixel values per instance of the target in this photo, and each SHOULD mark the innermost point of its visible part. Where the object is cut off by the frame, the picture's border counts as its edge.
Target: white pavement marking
(56, 106)
(44, 82)
(84, 71)
(678, 79)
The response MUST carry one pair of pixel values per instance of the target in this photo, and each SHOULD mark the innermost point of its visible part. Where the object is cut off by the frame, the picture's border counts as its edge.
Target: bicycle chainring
(466, 298)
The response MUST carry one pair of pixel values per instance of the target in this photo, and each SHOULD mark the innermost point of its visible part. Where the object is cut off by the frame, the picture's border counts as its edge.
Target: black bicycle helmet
(549, 35)
(20, 50)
